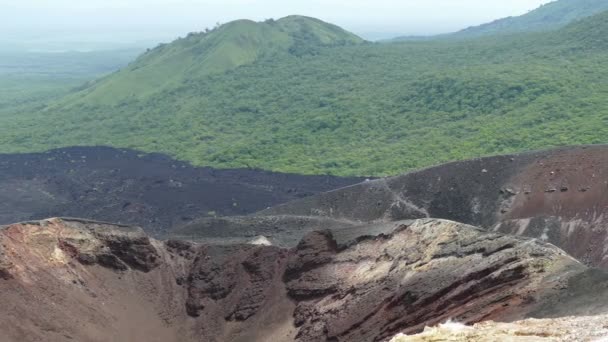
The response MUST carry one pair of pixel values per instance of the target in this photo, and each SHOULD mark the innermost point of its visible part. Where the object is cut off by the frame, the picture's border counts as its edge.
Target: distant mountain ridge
(550, 16)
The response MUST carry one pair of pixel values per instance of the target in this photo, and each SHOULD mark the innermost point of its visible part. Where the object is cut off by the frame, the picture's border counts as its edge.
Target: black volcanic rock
(149, 190)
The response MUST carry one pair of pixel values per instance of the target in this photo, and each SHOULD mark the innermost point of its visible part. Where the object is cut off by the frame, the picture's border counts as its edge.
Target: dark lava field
(149, 190)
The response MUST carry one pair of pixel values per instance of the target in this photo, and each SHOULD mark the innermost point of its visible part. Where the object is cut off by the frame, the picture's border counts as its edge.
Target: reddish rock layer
(88, 281)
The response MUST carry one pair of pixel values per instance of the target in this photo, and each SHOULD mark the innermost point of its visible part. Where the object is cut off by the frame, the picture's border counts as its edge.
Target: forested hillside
(29, 80)
(341, 106)
(551, 16)
(224, 48)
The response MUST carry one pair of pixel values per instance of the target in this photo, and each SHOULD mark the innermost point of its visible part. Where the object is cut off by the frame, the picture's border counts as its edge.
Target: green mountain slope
(547, 17)
(222, 49)
(354, 109)
(550, 16)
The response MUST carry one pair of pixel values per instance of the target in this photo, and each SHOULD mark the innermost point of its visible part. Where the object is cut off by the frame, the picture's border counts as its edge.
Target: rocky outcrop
(88, 242)
(424, 272)
(566, 329)
(90, 281)
(232, 284)
(559, 196)
(86, 281)
(96, 273)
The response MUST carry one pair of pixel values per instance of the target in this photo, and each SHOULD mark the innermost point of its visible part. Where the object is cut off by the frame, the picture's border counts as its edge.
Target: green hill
(336, 106)
(224, 48)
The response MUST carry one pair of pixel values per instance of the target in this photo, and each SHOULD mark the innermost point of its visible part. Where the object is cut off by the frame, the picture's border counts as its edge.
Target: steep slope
(365, 109)
(558, 196)
(551, 16)
(547, 17)
(86, 281)
(199, 54)
(130, 187)
(589, 34)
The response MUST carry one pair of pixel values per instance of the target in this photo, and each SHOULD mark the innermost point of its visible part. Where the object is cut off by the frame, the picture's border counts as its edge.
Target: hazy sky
(177, 17)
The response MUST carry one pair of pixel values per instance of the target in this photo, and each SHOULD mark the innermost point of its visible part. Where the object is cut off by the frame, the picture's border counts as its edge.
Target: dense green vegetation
(29, 80)
(550, 16)
(340, 106)
(19, 93)
(224, 48)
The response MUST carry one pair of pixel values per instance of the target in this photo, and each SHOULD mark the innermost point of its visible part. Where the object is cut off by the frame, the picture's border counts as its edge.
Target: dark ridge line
(69, 219)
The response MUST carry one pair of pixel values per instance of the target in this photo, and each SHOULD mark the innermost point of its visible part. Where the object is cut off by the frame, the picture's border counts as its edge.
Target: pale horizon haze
(163, 20)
